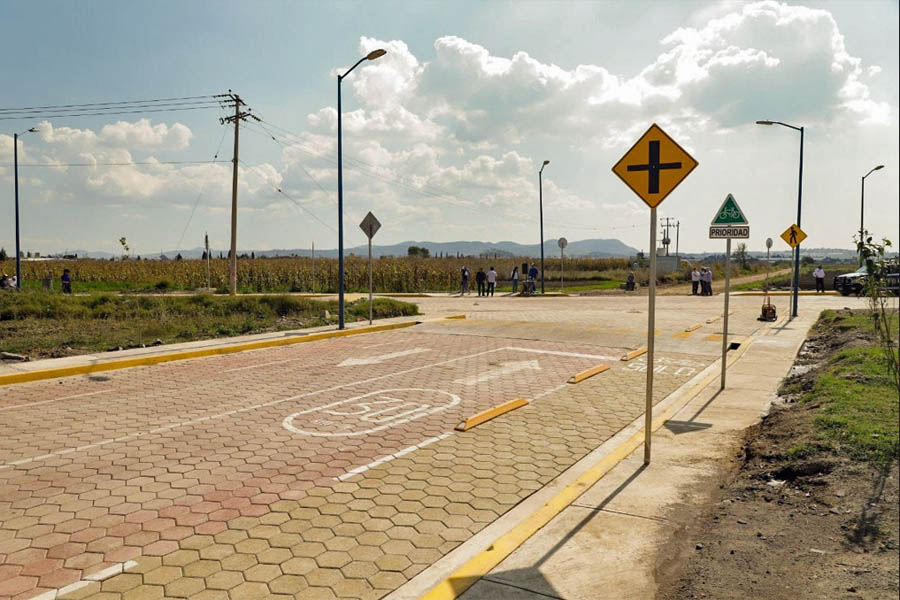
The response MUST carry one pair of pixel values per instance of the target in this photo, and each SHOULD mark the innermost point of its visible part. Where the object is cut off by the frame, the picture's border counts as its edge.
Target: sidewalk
(606, 543)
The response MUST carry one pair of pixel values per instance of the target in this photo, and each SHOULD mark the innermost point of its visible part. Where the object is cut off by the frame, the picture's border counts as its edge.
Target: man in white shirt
(491, 281)
(819, 275)
(695, 281)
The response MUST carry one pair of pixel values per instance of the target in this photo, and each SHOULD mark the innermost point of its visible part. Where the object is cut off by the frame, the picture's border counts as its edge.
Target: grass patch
(858, 403)
(43, 325)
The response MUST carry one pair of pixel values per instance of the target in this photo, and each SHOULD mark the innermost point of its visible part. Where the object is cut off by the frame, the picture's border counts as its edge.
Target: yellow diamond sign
(654, 166)
(793, 235)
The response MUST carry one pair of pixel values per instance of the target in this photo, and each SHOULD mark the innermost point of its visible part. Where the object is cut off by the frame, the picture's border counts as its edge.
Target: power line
(94, 114)
(120, 102)
(119, 164)
(202, 191)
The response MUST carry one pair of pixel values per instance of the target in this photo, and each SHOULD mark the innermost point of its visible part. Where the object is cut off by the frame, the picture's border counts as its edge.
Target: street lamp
(370, 56)
(862, 201)
(796, 290)
(16, 178)
(541, 196)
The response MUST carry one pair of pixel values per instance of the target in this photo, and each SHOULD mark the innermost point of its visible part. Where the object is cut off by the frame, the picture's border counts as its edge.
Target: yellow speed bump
(693, 327)
(579, 377)
(634, 353)
(491, 413)
(454, 317)
(712, 320)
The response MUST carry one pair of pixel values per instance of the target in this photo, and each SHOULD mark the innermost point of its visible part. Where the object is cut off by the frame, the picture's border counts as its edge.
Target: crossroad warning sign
(654, 166)
(793, 235)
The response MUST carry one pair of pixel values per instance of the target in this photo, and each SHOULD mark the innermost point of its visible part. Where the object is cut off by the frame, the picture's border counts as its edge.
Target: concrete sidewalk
(606, 543)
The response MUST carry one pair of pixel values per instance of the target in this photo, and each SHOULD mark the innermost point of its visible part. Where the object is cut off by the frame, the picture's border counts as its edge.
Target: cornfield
(390, 275)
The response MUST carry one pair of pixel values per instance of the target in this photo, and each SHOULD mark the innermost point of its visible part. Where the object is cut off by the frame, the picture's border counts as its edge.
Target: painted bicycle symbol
(370, 412)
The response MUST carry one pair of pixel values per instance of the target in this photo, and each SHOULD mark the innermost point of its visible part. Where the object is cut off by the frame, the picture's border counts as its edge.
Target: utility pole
(666, 240)
(236, 119)
(677, 236)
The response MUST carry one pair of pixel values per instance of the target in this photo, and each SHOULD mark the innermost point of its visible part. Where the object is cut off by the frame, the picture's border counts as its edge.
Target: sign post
(370, 227)
(652, 168)
(563, 242)
(729, 223)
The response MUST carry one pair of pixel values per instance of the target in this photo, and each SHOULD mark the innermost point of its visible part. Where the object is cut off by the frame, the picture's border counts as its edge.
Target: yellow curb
(634, 353)
(712, 320)
(481, 564)
(487, 415)
(164, 358)
(579, 377)
(693, 327)
(454, 317)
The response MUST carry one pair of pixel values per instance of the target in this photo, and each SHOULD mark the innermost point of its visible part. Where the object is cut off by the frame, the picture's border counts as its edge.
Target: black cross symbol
(653, 166)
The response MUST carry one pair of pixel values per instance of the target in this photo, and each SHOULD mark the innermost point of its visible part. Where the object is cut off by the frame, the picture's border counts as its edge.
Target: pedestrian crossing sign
(793, 235)
(730, 213)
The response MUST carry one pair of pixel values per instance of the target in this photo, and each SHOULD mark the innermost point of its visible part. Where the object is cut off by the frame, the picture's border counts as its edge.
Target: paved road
(320, 470)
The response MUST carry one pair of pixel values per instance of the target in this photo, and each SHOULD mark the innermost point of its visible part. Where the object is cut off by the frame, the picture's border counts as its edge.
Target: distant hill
(582, 248)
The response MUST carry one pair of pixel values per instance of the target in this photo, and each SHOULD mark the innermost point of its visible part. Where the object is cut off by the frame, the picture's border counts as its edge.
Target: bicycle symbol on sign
(730, 212)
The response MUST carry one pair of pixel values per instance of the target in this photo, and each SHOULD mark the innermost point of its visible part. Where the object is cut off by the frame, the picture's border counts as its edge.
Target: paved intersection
(321, 470)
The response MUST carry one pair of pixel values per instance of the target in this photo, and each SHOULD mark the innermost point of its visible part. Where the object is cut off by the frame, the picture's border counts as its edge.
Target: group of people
(11, 282)
(487, 281)
(701, 280)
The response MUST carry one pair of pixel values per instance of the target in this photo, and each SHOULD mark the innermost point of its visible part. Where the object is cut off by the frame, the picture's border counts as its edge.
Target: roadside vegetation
(298, 274)
(41, 325)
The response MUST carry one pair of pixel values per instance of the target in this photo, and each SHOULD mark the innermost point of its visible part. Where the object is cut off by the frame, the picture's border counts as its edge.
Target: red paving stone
(143, 458)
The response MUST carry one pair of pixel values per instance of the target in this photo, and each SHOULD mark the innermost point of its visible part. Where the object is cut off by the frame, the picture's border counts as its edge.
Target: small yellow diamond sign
(793, 235)
(654, 166)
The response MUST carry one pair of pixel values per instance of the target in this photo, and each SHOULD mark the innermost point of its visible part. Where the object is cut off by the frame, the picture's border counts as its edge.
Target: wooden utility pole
(236, 119)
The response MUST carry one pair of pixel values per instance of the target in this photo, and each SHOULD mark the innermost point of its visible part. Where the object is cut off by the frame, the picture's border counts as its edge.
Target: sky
(443, 136)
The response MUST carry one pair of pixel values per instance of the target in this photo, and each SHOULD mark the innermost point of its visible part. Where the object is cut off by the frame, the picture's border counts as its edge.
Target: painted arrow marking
(374, 360)
(504, 369)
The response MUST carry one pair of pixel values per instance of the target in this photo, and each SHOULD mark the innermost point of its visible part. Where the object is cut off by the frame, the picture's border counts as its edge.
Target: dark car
(855, 282)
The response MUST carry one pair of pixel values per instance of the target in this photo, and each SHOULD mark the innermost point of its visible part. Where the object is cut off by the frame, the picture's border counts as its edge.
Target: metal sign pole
(651, 326)
(370, 281)
(725, 317)
(561, 256)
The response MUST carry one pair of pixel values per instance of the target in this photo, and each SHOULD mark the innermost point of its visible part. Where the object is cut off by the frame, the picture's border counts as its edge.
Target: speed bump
(579, 377)
(487, 415)
(634, 353)
(693, 327)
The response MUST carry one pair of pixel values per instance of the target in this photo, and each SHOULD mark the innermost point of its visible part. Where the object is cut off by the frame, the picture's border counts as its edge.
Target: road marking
(27, 404)
(88, 580)
(384, 410)
(390, 457)
(503, 369)
(140, 434)
(558, 353)
(374, 360)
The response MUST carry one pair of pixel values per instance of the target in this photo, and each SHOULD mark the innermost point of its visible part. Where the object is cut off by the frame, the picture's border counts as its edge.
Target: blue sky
(444, 135)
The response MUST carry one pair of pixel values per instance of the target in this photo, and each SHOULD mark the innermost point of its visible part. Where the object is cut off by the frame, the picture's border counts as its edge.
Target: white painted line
(548, 392)
(391, 457)
(503, 369)
(88, 579)
(374, 360)
(27, 404)
(558, 353)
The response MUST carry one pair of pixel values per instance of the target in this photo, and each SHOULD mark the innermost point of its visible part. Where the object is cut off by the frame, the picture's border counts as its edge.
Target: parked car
(855, 282)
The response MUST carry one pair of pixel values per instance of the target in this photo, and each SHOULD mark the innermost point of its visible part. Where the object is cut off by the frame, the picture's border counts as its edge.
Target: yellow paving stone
(262, 573)
(162, 575)
(238, 562)
(144, 592)
(250, 591)
(288, 584)
(180, 558)
(323, 577)
(353, 588)
(217, 551)
(202, 568)
(298, 566)
(184, 587)
(121, 583)
(224, 580)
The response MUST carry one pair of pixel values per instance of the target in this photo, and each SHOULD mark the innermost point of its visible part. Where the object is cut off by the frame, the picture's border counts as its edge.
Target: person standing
(629, 282)
(708, 278)
(695, 281)
(66, 282)
(514, 277)
(491, 281)
(819, 275)
(464, 272)
(479, 280)
(532, 278)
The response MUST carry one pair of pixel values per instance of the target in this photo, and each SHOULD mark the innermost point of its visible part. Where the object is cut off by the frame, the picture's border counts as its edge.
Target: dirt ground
(781, 526)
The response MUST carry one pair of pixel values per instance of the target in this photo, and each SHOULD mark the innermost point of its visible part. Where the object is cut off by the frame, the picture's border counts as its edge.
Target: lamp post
(370, 56)
(862, 202)
(796, 291)
(16, 185)
(541, 201)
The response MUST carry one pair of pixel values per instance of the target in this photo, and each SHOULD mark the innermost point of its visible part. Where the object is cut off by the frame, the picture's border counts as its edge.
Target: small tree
(877, 288)
(124, 243)
(740, 253)
(3, 255)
